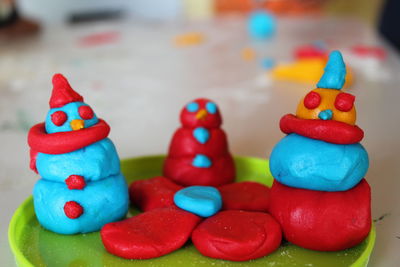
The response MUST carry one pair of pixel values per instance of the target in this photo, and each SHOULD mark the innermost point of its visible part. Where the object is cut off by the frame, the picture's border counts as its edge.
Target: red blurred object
(310, 51)
(369, 51)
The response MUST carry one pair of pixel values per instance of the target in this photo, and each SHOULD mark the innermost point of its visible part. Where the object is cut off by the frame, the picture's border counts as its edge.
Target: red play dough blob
(183, 143)
(150, 234)
(181, 171)
(65, 142)
(325, 221)
(73, 210)
(75, 182)
(237, 235)
(250, 196)
(157, 192)
(331, 131)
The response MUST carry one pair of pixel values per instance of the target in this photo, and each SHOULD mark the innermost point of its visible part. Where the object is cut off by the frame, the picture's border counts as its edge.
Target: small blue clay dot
(261, 25)
(203, 201)
(201, 161)
(267, 63)
(192, 107)
(325, 114)
(201, 134)
(211, 107)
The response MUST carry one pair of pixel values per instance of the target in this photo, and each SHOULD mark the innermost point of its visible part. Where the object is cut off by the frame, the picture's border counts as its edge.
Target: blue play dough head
(301, 162)
(261, 25)
(72, 111)
(334, 75)
(203, 201)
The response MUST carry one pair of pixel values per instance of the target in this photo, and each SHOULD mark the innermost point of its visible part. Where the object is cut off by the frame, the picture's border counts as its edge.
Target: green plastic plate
(34, 246)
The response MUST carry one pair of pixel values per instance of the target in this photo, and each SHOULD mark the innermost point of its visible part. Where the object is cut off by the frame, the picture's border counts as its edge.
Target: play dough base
(32, 245)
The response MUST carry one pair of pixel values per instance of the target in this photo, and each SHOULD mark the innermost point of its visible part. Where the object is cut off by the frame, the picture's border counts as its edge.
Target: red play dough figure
(157, 192)
(198, 153)
(249, 196)
(237, 235)
(324, 221)
(150, 234)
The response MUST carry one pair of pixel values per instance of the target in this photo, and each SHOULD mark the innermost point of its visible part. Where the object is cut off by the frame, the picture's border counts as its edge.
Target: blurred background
(138, 62)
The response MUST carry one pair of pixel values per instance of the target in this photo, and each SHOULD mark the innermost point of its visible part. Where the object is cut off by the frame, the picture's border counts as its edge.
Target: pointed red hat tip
(62, 92)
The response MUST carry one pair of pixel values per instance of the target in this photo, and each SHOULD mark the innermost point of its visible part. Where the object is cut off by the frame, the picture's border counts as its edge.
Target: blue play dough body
(301, 162)
(72, 111)
(93, 162)
(334, 72)
(201, 161)
(201, 134)
(103, 201)
(261, 25)
(204, 201)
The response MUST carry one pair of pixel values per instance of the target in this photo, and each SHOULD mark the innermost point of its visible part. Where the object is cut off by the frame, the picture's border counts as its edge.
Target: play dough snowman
(198, 153)
(81, 187)
(319, 195)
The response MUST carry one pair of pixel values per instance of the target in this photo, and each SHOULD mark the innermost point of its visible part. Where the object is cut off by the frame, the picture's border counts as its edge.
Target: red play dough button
(326, 221)
(237, 235)
(248, 196)
(150, 234)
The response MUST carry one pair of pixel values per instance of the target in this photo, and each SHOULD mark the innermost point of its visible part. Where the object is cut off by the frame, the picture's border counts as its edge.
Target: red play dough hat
(62, 92)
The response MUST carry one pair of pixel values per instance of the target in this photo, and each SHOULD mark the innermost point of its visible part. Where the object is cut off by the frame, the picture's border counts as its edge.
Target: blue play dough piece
(204, 201)
(334, 72)
(192, 107)
(72, 111)
(201, 161)
(301, 162)
(261, 25)
(201, 134)
(103, 202)
(211, 107)
(325, 114)
(93, 162)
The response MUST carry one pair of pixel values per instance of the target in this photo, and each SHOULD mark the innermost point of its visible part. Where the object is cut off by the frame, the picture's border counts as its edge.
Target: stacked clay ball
(320, 196)
(81, 186)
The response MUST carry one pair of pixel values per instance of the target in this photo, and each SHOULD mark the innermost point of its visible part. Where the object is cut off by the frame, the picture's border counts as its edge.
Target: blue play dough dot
(334, 72)
(201, 161)
(211, 107)
(325, 114)
(267, 63)
(261, 25)
(192, 107)
(203, 201)
(201, 134)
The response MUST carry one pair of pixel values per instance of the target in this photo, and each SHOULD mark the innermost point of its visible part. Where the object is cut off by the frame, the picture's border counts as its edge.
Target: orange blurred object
(290, 7)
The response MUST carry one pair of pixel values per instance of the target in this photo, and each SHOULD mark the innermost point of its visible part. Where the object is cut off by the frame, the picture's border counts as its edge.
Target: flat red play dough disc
(237, 235)
(154, 193)
(250, 196)
(325, 221)
(150, 234)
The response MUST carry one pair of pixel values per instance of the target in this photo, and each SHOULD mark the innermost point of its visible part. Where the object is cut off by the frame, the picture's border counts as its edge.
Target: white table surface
(139, 83)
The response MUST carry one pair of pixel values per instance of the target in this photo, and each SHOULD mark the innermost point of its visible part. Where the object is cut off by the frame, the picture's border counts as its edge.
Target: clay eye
(86, 112)
(344, 101)
(192, 107)
(312, 100)
(211, 107)
(59, 118)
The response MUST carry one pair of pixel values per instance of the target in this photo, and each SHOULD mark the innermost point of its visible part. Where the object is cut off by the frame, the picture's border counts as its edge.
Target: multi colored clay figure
(198, 153)
(81, 186)
(319, 195)
(173, 214)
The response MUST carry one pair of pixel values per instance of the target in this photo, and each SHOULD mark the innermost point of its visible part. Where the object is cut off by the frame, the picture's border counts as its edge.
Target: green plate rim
(22, 260)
